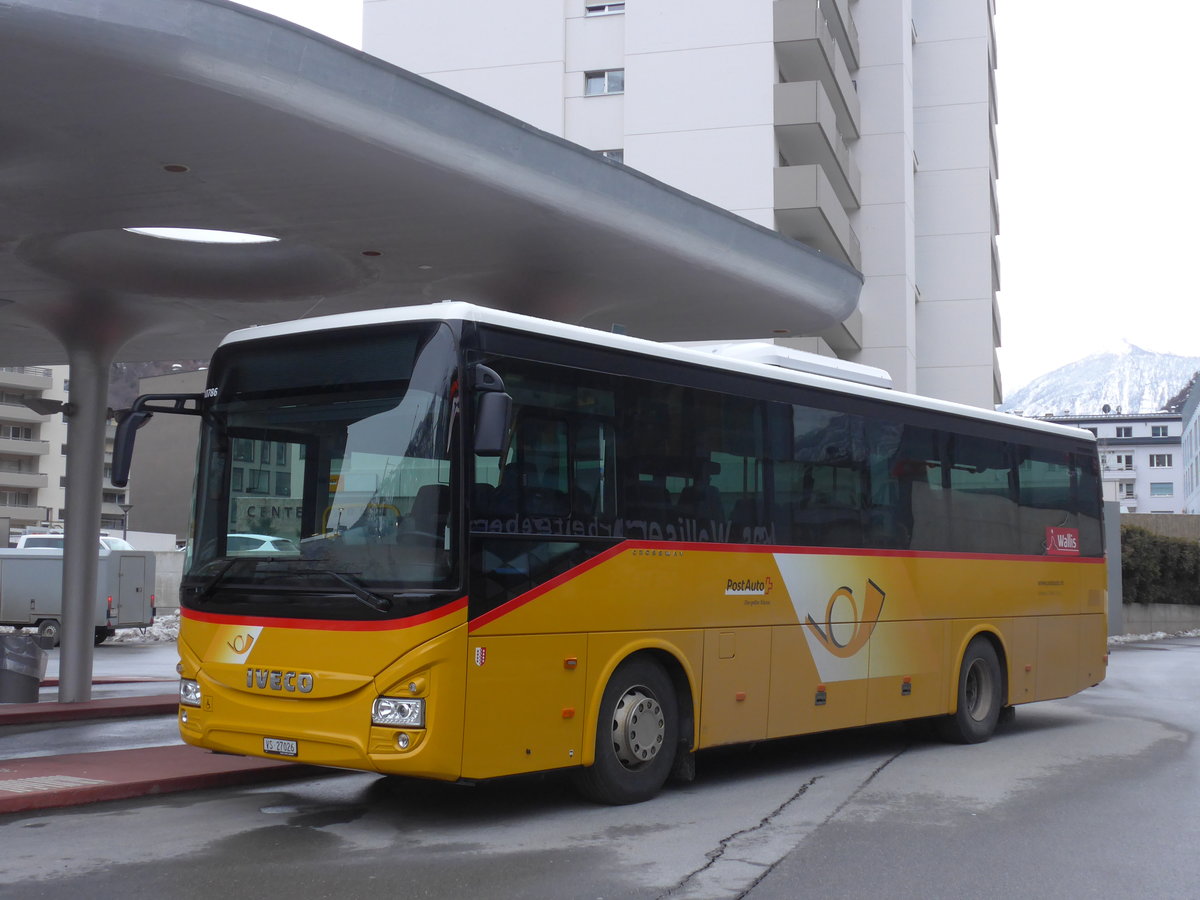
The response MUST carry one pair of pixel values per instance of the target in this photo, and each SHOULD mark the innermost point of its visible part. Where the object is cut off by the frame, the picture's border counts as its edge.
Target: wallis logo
(843, 608)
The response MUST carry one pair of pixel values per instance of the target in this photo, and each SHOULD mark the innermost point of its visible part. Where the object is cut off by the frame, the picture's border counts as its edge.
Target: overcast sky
(1098, 173)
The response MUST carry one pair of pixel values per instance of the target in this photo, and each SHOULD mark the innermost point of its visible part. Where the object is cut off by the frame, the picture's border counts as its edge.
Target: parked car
(55, 542)
(259, 543)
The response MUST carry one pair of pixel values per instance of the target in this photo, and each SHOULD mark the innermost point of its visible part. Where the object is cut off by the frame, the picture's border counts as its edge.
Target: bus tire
(980, 696)
(637, 734)
(49, 628)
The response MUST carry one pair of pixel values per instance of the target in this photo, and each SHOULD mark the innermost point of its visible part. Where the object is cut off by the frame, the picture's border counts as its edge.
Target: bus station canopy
(376, 188)
(381, 188)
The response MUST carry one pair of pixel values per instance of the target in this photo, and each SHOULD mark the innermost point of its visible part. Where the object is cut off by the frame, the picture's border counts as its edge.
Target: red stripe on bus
(517, 602)
(329, 624)
(569, 575)
(854, 551)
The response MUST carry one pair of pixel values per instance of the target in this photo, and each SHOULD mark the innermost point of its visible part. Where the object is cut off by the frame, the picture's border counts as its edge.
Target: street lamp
(125, 508)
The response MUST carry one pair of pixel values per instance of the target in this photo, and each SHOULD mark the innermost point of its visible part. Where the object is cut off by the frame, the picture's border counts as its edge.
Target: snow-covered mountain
(1130, 380)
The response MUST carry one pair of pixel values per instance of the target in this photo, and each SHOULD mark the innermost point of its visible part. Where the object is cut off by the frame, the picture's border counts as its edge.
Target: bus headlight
(397, 712)
(189, 692)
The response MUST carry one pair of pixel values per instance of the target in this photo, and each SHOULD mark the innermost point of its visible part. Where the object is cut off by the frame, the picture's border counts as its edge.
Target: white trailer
(31, 590)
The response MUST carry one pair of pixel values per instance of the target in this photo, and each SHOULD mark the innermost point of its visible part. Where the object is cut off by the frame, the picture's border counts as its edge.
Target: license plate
(279, 747)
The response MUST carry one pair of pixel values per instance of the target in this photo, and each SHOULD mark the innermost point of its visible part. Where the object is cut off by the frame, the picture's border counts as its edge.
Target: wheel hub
(978, 693)
(639, 728)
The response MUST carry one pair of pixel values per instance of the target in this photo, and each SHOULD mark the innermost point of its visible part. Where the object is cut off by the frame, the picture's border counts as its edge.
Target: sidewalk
(51, 781)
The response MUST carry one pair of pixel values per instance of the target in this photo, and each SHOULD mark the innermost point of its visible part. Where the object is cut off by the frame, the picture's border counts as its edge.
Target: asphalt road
(1094, 796)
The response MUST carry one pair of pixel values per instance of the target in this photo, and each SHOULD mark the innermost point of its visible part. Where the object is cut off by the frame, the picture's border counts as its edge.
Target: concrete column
(88, 398)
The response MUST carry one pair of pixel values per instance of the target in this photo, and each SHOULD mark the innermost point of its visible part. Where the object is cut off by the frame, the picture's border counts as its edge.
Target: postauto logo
(735, 587)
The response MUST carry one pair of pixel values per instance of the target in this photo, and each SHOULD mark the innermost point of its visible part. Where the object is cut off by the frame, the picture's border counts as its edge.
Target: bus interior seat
(430, 510)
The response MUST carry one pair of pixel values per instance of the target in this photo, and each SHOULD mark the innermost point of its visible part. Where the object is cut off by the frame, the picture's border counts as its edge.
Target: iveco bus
(512, 545)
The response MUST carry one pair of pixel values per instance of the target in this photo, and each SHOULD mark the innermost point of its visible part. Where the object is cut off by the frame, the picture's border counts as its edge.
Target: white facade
(1190, 450)
(1141, 458)
(865, 129)
(33, 452)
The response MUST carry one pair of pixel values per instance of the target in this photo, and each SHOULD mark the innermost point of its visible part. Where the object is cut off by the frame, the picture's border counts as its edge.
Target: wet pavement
(122, 743)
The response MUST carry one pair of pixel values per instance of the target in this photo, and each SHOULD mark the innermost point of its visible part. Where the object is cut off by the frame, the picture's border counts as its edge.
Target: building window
(1095, 431)
(1162, 489)
(1125, 490)
(614, 155)
(283, 484)
(114, 496)
(1124, 431)
(1161, 460)
(243, 450)
(14, 498)
(1158, 431)
(608, 81)
(603, 9)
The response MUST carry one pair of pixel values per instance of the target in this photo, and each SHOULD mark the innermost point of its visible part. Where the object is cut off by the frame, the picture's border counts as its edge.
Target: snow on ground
(165, 628)
(1153, 636)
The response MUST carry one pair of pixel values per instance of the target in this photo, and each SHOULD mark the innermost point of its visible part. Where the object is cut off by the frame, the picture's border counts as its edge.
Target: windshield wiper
(205, 591)
(377, 602)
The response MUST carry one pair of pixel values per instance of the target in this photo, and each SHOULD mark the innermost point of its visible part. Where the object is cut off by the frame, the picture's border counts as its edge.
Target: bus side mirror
(492, 414)
(130, 420)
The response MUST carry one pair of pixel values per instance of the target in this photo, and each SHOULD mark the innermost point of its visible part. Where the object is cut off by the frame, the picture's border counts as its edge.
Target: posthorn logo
(843, 608)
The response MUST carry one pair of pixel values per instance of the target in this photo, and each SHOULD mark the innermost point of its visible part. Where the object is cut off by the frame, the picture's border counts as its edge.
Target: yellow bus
(486, 544)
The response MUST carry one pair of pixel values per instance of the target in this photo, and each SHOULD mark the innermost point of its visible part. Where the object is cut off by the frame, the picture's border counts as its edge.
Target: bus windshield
(326, 476)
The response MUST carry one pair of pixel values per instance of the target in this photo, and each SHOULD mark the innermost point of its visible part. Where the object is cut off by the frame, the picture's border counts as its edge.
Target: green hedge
(1157, 569)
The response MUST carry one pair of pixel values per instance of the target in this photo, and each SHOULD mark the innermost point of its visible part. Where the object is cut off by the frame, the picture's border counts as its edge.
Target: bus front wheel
(637, 733)
(980, 696)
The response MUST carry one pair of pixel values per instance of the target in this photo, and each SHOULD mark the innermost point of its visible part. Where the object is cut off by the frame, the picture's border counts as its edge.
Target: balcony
(806, 132)
(16, 480)
(29, 377)
(20, 447)
(841, 25)
(1118, 473)
(807, 51)
(23, 515)
(807, 208)
(11, 411)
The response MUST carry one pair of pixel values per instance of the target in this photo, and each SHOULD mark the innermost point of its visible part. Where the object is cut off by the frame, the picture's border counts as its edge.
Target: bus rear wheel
(980, 696)
(637, 734)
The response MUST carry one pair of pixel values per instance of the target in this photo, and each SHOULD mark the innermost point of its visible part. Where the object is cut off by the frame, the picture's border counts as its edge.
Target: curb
(108, 708)
(51, 782)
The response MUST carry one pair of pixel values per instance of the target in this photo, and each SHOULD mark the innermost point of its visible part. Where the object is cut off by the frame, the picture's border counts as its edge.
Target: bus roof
(453, 310)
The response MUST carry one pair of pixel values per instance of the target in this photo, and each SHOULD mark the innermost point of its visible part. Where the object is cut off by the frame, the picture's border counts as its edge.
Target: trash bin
(22, 667)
